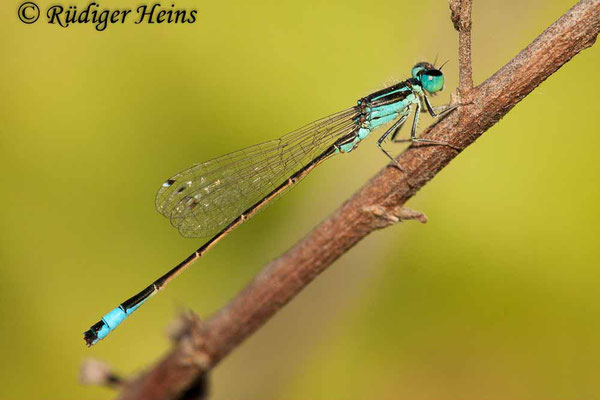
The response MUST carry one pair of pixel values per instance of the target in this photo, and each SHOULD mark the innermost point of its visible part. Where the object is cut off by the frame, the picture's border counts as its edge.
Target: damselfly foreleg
(438, 111)
(413, 132)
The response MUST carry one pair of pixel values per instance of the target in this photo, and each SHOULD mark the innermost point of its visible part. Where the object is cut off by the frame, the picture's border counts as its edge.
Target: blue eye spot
(419, 68)
(415, 71)
(432, 80)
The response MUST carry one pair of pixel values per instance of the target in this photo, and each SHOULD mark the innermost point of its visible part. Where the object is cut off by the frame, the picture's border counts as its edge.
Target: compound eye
(432, 80)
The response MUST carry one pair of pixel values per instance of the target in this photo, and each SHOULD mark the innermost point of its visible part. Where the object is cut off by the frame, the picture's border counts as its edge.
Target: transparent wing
(205, 198)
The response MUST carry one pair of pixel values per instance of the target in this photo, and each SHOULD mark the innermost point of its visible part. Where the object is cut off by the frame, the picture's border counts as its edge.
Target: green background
(496, 297)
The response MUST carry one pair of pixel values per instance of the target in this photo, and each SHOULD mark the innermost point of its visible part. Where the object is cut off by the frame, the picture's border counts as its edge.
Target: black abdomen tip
(91, 335)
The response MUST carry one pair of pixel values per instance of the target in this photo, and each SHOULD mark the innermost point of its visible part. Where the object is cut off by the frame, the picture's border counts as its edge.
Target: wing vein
(206, 197)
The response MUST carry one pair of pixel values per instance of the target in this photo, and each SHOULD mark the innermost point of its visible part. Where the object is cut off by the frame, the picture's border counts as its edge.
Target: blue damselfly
(215, 197)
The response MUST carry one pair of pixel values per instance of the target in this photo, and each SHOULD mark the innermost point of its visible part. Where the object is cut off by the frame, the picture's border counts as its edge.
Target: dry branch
(203, 344)
(461, 18)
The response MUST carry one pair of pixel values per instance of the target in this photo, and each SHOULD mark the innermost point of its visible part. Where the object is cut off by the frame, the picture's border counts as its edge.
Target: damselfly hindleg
(393, 129)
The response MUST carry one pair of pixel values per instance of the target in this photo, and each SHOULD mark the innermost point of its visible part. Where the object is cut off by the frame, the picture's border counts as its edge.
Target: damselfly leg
(393, 129)
(415, 124)
(438, 111)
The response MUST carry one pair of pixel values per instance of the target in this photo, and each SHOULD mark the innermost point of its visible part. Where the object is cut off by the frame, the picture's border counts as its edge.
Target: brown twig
(461, 18)
(98, 373)
(204, 344)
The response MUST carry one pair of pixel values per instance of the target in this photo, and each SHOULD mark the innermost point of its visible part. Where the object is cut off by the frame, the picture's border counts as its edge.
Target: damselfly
(217, 196)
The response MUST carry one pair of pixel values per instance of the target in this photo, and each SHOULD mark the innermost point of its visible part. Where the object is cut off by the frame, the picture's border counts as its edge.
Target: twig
(461, 18)
(398, 214)
(209, 342)
(98, 373)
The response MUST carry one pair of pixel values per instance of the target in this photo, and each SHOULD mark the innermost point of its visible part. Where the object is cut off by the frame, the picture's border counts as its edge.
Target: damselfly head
(431, 79)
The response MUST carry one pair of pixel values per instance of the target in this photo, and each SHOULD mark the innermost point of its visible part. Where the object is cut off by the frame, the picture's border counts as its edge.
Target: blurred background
(496, 297)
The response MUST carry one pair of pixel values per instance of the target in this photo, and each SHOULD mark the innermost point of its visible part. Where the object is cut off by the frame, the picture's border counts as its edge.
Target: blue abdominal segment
(103, 327)
(110, 321)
